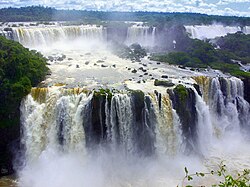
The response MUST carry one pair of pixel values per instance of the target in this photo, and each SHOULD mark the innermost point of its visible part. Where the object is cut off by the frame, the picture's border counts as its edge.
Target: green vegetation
(163, 83)
(242, 179)
(202, 54)
(103, 93)
(20, 69)
(39, 13)
(134, 52)
(181, 92)
(238, 45)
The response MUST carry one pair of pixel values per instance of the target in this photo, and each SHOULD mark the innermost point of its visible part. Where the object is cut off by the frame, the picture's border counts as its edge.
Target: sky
(216, 7)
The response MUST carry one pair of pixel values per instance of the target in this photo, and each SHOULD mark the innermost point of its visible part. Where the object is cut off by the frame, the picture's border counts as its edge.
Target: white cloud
(199, 6)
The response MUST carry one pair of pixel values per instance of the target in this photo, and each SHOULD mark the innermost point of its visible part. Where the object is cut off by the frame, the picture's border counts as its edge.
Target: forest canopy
(20, 69)
(40, 13)
(224, 54)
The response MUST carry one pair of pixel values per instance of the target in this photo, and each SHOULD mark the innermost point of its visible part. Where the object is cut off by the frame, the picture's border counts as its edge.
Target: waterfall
(121, 115)
(142, 35)
(204, 127)
(181, 121)
(6, 33)
(226, 103)
(168, 128)
(212, 31)
(45, 36)
(52, 118)
(246, 29)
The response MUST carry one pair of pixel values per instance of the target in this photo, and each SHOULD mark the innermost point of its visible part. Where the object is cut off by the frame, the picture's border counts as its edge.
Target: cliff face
(246, 82)
(9, 146)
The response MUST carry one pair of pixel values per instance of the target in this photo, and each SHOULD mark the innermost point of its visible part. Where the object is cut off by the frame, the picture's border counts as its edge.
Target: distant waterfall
(143, 35)
(6, 33)
(213, 31)
(181, 121)
(246, 29)
(45, 36)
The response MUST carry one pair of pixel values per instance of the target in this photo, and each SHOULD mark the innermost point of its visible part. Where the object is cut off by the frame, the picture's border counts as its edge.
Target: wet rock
(134, 71)
(104, 66)
(70, 58)
(197, 88)
(95, 64)
(114, 66)
(182, 67)
(145, 65)
(100, 61)
(129, 69)
(158, 63)
(87, 63)
(138, 82)
(50, 58)
(150, 75)
(77, 66)
(184, 100)
(163, 83)
(140, 75)
(145, 73)
(246, 82)
(60, 59)
(164, 76)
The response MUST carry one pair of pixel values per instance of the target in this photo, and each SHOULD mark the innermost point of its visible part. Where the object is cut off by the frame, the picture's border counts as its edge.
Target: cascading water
(53, 119)
(143, 35)
(121, 119)
(212, 31)
(127, 126)
(6, 33)
(45, 36)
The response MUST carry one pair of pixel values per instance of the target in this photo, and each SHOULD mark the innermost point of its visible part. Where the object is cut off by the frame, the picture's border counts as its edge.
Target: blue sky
(218, 7)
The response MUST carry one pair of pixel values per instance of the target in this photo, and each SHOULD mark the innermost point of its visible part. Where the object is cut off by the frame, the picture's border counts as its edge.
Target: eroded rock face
(9, 146)
(246, 82)
(184, 100)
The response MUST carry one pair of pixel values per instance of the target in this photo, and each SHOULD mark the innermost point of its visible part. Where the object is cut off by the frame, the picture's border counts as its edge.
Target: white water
(212, 31)
(47, 36)
(143, 35)
(55, 164)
